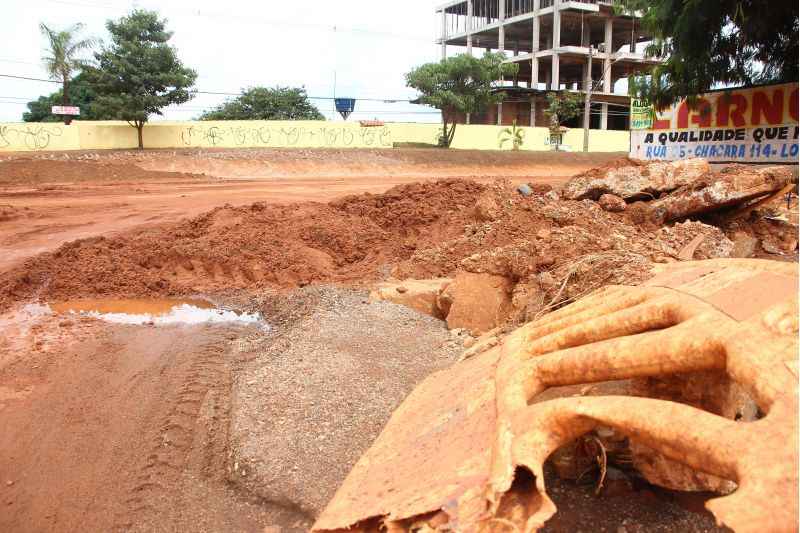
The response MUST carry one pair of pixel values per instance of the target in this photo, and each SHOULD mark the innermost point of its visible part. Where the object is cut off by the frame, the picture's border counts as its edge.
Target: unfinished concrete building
(550, 40)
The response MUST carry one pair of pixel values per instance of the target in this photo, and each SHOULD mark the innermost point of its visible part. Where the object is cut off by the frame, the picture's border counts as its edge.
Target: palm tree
(63, 61)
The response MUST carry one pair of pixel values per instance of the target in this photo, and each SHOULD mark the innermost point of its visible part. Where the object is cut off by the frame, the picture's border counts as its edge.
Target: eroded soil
(236, 428)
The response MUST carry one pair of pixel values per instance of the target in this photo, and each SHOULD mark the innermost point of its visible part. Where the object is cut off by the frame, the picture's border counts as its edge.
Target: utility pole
(587, 106)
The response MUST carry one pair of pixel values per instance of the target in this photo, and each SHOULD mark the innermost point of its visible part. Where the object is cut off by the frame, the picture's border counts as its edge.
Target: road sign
(65, 110)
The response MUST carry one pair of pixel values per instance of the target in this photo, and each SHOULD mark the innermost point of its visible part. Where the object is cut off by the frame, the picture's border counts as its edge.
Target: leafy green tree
(720, 42)
(82, 94)
(139, 74)
(460, 84)
(562, 107)
(63, 57)
(264, 103)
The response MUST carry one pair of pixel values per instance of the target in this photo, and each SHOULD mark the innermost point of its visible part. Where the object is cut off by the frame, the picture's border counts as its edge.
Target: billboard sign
(65, 110)
(758, 124)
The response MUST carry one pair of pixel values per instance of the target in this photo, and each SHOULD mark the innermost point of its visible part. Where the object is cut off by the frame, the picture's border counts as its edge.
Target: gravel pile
(318, 390)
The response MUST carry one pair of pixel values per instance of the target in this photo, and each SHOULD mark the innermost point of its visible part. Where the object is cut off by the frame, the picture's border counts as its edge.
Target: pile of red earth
(550, 249)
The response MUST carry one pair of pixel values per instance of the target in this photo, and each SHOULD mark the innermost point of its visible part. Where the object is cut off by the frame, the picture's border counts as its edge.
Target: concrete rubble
(420, 295)
(734, 185)
(635, 181)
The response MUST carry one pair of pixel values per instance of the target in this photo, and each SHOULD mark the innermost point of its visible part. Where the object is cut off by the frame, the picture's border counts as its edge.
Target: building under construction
(554, 42)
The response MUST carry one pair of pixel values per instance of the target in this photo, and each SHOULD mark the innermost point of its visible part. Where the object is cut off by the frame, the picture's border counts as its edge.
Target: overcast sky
(240, 43)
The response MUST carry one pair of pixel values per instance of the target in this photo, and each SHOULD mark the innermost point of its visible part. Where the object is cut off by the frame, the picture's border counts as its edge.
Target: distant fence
(101, 135)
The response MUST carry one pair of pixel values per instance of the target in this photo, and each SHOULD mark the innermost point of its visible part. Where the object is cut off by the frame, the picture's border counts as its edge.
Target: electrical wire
(218, 93)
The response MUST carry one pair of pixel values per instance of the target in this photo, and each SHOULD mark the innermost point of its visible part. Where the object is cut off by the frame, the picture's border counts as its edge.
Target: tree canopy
(63, 57)
(265, 103)
(460, 84)
(81, 94)
(561, 107)
(139, 74)
(707, 44)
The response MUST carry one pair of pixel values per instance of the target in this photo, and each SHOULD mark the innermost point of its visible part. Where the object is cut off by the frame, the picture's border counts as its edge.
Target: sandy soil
(233, 428)
(47, 199)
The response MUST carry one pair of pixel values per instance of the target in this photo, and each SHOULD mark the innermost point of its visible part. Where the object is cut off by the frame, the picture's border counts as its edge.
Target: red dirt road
(46, 200)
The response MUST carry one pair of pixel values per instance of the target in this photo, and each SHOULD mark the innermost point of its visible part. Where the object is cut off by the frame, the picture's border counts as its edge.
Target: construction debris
(420, 295)
(479, 302)
(734, 185)
(612, 203)
(452, 453)
(632, 180)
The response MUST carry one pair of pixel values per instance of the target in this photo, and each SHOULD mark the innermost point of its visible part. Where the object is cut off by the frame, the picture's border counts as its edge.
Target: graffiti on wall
(36, 137)
(322, 136)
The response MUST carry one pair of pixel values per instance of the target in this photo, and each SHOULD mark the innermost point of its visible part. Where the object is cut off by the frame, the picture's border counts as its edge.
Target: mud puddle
(155, 311)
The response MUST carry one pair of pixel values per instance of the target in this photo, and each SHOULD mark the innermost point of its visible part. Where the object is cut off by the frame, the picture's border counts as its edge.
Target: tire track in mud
(171, 443)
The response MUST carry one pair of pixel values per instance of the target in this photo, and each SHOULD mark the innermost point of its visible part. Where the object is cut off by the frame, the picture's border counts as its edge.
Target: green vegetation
(514, 135)
(264, 103)
(459, 85)
(139, 74)
(63, 61)
(562, 107)
(81, 94)
(707, 44)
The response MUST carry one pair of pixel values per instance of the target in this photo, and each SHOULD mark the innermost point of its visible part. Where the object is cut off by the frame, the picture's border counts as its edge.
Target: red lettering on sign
(793, 105)
(701, 114)
(772, 111)
(661, 124)
(724, 113)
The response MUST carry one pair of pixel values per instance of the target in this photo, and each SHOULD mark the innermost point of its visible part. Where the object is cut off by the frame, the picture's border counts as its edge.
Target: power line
(218, 93)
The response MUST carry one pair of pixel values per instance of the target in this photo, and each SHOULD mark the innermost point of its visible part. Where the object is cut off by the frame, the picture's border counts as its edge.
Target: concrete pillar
(444, 34)
(533, 111)
(469, 26)
(500, 114)
(501, 14)
(586, 37)
(584, 75)
(535, 46)
(468, 117)
(555, 81)
(608, 85)
(556, 23)
(604, 116)
(554, 74)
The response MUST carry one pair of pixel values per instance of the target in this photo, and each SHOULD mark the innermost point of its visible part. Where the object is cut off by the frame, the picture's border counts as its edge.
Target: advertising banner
(758, 124)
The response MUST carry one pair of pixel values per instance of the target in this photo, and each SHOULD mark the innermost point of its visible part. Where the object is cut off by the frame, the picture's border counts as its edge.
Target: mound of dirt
(420, 230)
(258, 245)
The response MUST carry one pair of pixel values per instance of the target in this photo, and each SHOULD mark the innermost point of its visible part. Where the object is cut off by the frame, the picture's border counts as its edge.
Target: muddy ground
(47, 199)
(237, 427)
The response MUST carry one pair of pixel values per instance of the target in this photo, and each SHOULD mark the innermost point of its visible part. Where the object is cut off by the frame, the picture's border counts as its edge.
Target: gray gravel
(318, 390)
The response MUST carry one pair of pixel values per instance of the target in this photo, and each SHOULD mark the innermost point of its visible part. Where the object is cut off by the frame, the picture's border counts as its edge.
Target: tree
(561, 107)
(82, 94)
(515, 135)
(707, 44)
(140, 73)
(63, 60)
(264, 103)
(459, 85)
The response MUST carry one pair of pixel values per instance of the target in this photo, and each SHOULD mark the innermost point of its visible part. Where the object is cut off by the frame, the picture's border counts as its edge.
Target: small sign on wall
(65, 110)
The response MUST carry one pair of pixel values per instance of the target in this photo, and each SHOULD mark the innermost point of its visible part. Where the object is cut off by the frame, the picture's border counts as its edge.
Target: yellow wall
(301, 134)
